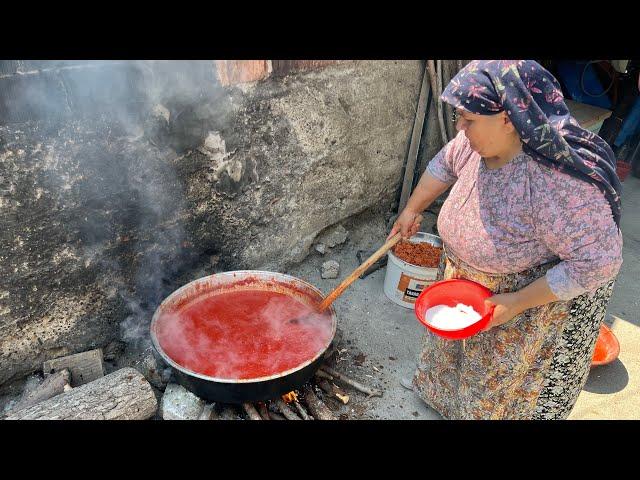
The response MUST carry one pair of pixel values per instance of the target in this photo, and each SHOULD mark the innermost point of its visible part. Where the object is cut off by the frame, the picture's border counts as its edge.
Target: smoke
(107, 136)
(134, 327)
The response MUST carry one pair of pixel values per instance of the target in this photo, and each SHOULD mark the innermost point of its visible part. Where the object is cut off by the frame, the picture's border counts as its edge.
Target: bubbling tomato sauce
(243, 334)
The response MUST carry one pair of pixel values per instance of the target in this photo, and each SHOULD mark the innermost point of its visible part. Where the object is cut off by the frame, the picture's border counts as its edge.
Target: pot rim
(234, 273)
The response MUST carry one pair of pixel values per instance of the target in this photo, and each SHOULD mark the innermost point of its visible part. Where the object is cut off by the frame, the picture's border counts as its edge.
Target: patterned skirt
(532, 367)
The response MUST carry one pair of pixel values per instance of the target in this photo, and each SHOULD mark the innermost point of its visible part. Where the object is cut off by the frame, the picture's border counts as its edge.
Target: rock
(156, 126)
(215, 143)
(334, 236)
(321, 248)
(208, 412)
(330, 269)
(153, 370)
(178, 403)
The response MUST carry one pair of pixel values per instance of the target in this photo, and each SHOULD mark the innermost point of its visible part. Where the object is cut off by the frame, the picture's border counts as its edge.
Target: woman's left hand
(507, 307)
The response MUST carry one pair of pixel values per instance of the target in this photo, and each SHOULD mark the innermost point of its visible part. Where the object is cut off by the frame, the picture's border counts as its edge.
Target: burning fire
(290, 397)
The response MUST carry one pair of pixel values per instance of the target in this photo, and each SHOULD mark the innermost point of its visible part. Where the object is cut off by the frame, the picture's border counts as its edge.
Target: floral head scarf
(532, 98)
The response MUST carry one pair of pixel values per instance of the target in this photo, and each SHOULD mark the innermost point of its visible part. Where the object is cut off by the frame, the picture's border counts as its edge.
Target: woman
(533, 215)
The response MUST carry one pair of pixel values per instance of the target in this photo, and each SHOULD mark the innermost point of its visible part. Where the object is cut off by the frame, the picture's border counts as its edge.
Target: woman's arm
(428, 189)
(438, 176)
(574, 220)
(510, 305)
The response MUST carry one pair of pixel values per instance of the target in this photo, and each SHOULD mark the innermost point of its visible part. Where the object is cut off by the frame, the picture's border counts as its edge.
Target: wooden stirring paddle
(358, 271)
(355, 274)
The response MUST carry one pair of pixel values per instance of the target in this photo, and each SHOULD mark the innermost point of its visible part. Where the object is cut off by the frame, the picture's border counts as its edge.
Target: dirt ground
(384, 338)
(380, 338)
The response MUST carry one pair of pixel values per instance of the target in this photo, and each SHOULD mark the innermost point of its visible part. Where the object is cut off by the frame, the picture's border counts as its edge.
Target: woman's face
(488, 135)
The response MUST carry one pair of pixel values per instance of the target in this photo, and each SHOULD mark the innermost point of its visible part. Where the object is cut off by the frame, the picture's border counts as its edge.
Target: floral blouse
(524, 214)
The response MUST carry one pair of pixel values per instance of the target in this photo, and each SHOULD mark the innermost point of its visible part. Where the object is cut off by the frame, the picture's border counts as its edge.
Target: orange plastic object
(607, 347)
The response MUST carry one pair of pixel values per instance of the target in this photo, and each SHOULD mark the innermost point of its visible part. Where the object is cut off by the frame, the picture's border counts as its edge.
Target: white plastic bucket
(404, 281)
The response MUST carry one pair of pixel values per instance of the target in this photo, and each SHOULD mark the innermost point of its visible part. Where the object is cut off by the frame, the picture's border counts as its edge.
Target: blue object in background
(570, 73)
(631, 124)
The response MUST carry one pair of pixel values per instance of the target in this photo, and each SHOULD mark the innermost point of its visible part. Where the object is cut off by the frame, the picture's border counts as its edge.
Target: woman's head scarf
(534, 103)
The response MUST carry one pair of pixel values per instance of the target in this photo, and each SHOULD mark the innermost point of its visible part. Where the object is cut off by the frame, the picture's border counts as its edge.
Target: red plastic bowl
(450, 293)
(607, 347)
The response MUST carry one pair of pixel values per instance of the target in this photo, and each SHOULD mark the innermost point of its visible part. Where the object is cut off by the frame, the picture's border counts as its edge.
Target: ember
(290, 397)
(318, 399)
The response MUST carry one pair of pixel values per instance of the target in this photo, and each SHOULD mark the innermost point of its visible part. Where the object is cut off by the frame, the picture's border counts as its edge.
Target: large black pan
(244, 390)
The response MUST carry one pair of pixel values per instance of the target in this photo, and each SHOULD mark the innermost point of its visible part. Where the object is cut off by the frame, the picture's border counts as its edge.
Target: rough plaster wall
(341, 136)
(105, 215)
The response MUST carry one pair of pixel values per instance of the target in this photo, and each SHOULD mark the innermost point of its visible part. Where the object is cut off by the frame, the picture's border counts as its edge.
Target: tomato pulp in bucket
(404, 281)
(450, 293)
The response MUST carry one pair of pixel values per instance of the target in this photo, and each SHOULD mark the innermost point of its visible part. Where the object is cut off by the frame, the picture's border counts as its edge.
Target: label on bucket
(412, 287)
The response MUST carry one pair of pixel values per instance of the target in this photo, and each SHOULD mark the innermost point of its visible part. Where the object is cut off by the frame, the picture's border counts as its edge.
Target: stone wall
(118, 180)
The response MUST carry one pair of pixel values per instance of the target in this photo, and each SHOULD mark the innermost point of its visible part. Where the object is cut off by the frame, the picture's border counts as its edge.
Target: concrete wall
(118, 180)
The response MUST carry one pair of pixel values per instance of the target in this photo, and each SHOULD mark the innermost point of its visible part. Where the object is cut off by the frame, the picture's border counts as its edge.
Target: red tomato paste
(243, 334)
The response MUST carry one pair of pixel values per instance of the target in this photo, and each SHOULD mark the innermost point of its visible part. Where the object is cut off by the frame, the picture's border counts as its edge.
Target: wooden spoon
(329, 299)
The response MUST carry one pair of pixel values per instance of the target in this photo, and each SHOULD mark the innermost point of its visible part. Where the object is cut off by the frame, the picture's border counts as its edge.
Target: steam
(112, 159)
(247, 338)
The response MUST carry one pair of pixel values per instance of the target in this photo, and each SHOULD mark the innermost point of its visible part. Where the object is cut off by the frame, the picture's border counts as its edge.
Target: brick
(231, 72)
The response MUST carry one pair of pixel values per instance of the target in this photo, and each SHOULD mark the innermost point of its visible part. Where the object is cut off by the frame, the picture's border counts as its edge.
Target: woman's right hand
(408, 224)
